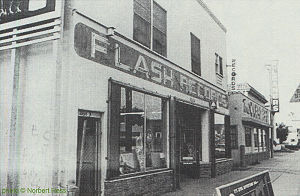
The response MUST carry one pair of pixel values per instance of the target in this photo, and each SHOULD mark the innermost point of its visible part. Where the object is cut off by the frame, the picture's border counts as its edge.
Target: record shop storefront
(155, 117)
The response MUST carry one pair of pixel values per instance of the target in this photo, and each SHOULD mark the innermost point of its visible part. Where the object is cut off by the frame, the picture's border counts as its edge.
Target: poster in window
(11, 10)
(188, 151)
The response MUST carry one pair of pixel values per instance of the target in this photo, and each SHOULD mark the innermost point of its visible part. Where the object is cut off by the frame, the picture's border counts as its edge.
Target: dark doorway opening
(189, 128)
(88, 148)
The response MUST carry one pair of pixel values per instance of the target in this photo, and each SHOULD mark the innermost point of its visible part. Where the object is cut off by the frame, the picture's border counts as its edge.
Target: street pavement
(284, 171)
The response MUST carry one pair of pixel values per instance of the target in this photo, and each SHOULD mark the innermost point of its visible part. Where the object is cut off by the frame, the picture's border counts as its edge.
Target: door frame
(99, 116)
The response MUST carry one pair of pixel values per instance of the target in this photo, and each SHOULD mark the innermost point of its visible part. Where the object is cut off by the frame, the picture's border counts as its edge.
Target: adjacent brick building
(250, 126)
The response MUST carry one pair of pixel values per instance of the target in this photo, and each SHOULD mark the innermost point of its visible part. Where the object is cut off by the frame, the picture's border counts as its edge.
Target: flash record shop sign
(95, 46)
(256, 185)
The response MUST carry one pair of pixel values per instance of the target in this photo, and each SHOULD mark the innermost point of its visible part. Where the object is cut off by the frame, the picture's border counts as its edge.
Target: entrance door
(189, 127)
(88, 167)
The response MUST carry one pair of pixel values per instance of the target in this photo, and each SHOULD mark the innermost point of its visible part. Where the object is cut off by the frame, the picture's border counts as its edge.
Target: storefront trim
(192, 103)
(139, 89)
(127, 56)
(138, 174)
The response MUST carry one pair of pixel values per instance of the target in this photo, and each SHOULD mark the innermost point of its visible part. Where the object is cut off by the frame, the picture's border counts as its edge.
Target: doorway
(189, 128)
(88, 153)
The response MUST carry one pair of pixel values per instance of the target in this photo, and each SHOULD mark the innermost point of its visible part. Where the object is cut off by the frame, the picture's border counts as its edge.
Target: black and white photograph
(149, 97)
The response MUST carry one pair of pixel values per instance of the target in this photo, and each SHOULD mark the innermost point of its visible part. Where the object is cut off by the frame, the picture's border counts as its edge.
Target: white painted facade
(54, 83)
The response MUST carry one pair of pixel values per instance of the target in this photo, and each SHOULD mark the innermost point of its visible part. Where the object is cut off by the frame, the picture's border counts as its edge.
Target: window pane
(141, 30)
(155, 133)
(159, 18)
(195, 54)
(248, 137)
(159, 42)
(143, 9)
(132, 157)
(143, 133)
(255, 138)
(217, 63)
(219, 136)
(221, 65)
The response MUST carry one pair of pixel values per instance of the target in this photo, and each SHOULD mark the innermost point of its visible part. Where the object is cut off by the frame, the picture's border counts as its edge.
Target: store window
(219, 136)
(143, 133)
(219, 64)
(263, 139)
(144, 27)
(248, 140)
(256, 139)
(195, 54)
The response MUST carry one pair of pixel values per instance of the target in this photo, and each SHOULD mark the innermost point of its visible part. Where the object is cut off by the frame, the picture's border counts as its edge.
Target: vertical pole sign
(274, 87)
(232, 72)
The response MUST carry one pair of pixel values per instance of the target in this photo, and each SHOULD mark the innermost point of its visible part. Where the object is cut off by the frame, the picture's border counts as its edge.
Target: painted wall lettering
(92, 45)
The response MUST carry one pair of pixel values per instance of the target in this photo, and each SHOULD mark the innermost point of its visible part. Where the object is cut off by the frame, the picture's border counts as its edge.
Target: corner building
(112, 97)
(250, 126)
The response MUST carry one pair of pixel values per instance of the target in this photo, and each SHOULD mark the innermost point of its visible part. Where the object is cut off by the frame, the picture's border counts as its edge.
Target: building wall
(55, 82)
(148, 185)
(6, 92)
(119, 14)
(38, 140)
(236, 117)
(27, 125)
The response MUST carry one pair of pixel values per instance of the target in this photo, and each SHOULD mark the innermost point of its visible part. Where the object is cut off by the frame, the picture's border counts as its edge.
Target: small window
(219, 64)
(248, 140)
(256, 139)
(195, 55)
(142, 24)
(159, 30)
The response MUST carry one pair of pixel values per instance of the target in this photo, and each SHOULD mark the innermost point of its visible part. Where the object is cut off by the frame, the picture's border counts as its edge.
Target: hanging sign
(275, 105)
(256, 185)
(233, 75)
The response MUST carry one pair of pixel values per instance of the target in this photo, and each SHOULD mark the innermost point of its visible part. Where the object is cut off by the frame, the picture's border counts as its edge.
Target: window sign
(11, 10)
(188, 144)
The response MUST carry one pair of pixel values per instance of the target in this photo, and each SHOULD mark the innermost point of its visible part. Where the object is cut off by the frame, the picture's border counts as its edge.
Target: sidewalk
(284, 172)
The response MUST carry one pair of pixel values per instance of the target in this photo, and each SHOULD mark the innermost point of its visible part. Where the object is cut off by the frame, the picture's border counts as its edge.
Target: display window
(220, 136)
(188, 145)
(256, 139)
(248, 138)
(142, 134)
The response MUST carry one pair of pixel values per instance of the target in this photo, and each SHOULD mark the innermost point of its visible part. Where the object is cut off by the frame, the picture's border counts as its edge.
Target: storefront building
(113, 97)
(250, 127)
